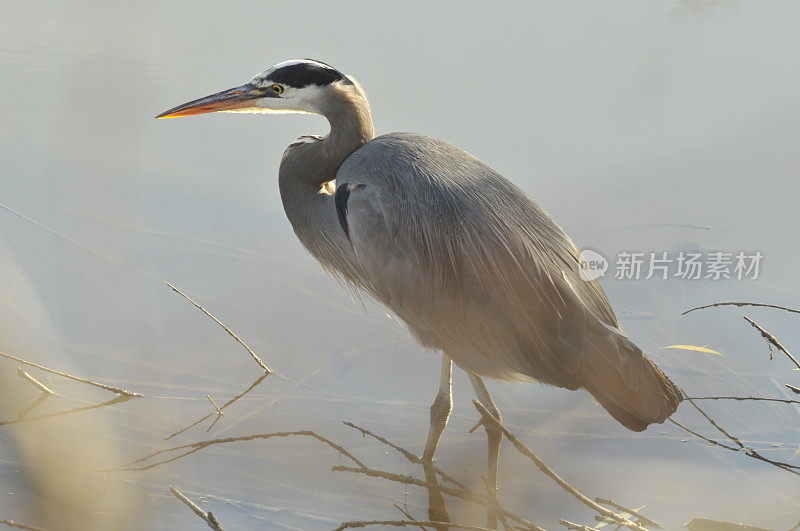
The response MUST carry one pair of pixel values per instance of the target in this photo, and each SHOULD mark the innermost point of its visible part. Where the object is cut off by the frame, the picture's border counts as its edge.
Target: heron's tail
(628, 385)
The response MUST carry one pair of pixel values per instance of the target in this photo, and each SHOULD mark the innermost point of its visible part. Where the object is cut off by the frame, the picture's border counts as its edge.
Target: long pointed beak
(240, 97)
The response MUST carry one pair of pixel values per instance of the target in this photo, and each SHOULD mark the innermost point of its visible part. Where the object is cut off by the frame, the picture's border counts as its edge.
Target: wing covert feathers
(478, 270)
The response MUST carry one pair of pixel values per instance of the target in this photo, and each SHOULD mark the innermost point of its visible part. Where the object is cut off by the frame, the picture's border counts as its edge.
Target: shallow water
(639, 127)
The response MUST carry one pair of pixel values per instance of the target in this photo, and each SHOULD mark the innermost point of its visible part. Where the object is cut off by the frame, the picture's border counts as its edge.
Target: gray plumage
(468, 261)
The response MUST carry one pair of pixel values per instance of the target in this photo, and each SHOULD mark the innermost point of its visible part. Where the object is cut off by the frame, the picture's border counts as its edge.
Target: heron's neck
(307, 166)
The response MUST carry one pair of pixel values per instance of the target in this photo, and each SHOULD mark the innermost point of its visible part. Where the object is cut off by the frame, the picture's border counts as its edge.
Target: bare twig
(754, 398)
(707, 524)
(642, 519)
(226, 404)
(710, 441)
(408, 455)
(575, 527)
(747, 451)
(219, 412)
(407, 515)
(71, 377)
(12, 523)
(209, 518)
(272, 401)
(750, 452)
(214, 423)
(772, 340)
(230, 332)
(740, 304)
(408, 523)
(197, 446)
(467, 495)
(524, 450)
(793, 389)
(36, 383)
(22, 418)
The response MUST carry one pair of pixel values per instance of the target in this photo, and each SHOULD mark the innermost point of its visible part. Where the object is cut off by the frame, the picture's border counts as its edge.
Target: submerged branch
(223, 406)
(197, 446)
(467, 495)
(524, 450)
(408, 455)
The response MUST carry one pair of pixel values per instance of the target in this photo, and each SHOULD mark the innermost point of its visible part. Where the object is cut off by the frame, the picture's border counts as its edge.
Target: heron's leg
(440, 409)
(440, 412)
(494, 436)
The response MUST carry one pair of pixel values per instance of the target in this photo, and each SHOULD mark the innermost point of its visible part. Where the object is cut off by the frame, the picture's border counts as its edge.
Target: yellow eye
(277, 89)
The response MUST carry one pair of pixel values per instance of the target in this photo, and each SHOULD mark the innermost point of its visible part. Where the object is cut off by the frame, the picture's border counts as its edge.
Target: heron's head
(300, 86)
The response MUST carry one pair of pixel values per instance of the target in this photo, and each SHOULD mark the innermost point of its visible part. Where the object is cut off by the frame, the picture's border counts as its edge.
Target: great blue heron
(471, 264)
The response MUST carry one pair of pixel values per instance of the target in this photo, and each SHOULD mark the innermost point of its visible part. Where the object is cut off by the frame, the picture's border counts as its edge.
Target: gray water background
(638, 126)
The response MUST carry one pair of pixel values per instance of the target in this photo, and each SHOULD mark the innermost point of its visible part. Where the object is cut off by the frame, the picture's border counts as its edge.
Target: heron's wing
(426, 216)
(477, 269)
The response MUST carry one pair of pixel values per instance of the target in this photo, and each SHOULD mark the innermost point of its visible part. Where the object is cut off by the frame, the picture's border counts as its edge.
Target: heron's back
(480, 271)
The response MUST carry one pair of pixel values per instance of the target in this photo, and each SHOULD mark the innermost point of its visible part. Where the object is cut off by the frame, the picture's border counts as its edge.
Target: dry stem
(197, 446)
(524, 450)
(750, 452)
(226, 404)
(467, 495)
(71, 377)
(575, 527)
(708, 524)
(772, 340)
(209, 518)
(230, 332)
(754, 398)
(12, 523)
(407, 515)
(642, 518)
(22, 418)
(408, 523)
(408, 455)
(740, 304)
(36, 383)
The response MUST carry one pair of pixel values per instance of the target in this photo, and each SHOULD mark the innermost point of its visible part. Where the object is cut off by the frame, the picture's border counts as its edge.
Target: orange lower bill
(227, 100)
